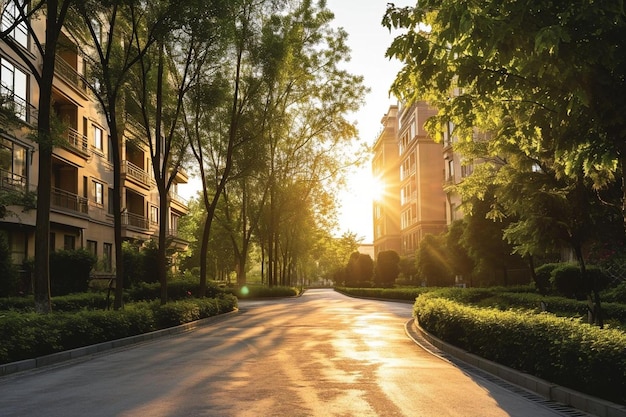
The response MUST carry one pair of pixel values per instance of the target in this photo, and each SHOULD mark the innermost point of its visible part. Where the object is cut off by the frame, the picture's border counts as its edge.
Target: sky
(368, 41)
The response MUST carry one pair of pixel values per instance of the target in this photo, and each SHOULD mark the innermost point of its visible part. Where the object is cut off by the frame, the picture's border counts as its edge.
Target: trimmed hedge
(29, 335)
(407, 294)
(561, 350)
(262, 291)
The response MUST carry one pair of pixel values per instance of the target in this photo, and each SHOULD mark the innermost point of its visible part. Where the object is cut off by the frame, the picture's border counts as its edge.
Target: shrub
(9, 274)
(69, 271)
(387, 268)
(29, 335)
(543, 275)
(561, 350)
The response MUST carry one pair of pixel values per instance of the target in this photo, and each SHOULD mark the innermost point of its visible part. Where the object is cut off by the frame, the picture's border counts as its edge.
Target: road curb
(545, 389)
(85, 351)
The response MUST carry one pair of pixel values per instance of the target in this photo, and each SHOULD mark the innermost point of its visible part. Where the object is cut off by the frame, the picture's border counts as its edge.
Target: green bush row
(29, 335)
(262, 291)
(408, 293)
(561, 350)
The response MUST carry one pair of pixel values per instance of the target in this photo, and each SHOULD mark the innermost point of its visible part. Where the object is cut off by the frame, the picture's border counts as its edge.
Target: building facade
(411, 161)
(386, 170)
(82, 167)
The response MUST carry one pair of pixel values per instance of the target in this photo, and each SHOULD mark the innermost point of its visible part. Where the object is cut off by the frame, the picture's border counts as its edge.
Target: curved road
(322, 354)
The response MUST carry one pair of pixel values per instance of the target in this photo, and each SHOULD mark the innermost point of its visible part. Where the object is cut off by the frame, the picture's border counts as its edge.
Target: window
(97, 139)
(92, 247)
(10, 15)
(154, 214)
(69, 242)
(107, 257)
(12, 165)
(14, 83)
(450, 169)
(53, 240)
(98, 192)
(174, 224)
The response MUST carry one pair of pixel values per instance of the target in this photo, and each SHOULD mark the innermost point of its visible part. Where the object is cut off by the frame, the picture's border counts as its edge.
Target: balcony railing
(23, 110)
(179, 199)
(135, 220)
(77, 141)
(67, 201)
(70, 75)
(12, 182)
(135, 172)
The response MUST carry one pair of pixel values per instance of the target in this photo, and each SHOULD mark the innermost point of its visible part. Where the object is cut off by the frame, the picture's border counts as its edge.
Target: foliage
(263, 291)
(30, 335)
(69, 271)
(550, 344)
(359, 271)
(139, 263)
(9, 275)
(406, 294)
(431, 262)
(387, 268)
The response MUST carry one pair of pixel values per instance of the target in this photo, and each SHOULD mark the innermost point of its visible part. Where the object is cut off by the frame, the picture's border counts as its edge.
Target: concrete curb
(67, 355)
(545, 389)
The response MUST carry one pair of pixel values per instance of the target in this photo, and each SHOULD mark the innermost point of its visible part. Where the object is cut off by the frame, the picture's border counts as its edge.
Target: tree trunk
(44, 132)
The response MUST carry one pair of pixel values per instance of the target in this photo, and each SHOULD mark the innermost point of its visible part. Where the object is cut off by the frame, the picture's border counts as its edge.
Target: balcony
(22, 110)
(70, 75)
(135, 220)
(178, 199)
(77, 143)
(66, 201)
(137, 174)
(12, 182)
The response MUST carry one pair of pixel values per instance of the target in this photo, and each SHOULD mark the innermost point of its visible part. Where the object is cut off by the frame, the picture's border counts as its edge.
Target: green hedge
(29, 335)
(560, 350)
(407, 294)
(263, 291)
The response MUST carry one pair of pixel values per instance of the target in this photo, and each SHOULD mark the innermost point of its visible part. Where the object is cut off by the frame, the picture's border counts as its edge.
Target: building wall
(385, 169)
(82, 169)
(417, 205)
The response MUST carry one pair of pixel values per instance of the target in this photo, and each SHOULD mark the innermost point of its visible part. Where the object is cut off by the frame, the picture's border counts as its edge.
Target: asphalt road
(322, 354)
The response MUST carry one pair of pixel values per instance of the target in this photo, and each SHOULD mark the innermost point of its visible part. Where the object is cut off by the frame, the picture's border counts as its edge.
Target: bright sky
(369, 41)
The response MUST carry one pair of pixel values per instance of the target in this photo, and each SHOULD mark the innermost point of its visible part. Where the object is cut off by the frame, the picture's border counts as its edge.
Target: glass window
(97, 138)
(154, 214)
(98, 192)
(92, 247)
(69, 242)
(110, 200)
(14, 86)
(10, 15)
(107, 256)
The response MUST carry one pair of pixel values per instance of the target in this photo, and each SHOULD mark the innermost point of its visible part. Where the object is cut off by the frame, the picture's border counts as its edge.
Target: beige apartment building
(82, 170)
(416, 202)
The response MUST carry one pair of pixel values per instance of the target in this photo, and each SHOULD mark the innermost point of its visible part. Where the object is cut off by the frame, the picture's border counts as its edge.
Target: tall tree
(23, 14)
(117, 34)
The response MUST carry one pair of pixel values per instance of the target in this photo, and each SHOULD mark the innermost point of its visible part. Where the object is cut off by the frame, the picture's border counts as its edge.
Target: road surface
(322, 354)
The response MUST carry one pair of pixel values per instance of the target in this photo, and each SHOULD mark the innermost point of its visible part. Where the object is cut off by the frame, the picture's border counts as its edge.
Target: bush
(29, 335)
(9, 274)
(563, 351)
(69, 271)
(544, 275)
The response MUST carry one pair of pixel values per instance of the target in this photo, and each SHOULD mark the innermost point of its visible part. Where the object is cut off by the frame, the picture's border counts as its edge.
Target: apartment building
(386, 170)
(82, 168)
(413, 163)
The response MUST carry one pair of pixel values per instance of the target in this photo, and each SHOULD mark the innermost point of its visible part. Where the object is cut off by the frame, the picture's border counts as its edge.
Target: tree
(431, 262)
(130, 29)
(56, 12)
(387, 268)
(359, 271)
(538, 78)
